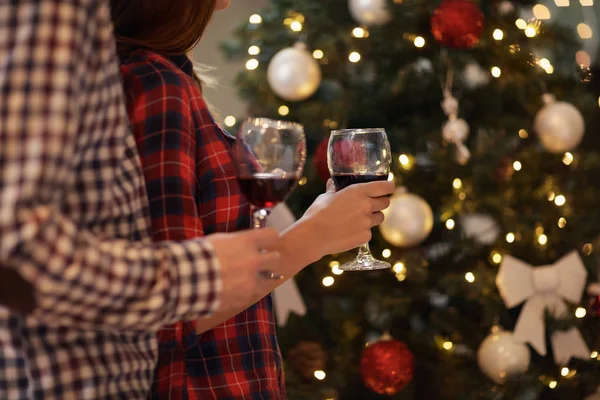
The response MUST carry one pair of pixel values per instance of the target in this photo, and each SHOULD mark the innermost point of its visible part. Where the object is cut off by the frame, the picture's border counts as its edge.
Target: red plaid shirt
(193, 191)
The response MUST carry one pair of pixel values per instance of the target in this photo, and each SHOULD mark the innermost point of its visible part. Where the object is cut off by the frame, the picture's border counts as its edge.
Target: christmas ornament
(408, 220)
(387, 366)
(593, 290)
(457, 23)
(456, 130)
(320, 160)
(545, 288)
(501, 356)
(369, 12)
(481, 228)
(474, 76)
(286, 298)
(559, 125)
(307, 357)
(294, 74)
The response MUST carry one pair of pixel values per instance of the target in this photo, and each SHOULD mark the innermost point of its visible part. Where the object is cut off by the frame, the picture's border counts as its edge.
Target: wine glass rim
(356, 131)
(273, 123)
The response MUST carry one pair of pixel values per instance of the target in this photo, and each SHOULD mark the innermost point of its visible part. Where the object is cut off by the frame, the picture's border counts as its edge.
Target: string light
(496, 257)
(328, 281)
(469, 277)
(560, 200)
(552, 384)
(587, 249)
(419, 41)
(568, 158)
(521, 24)
(562, 3)
(530, 31)
(586, 3)
(584, 31)
(401, 276)
(450, 224)
(447, 345)
(498, 34)
(252, 64)
(457, 183)
(510, 237)
(359, 33)
(254, 50)
(551, 196)
(318, 54)
(320, 375)
(562, 222)
(230, 121)
(399, 267)
(496, 72)
(283, 110)
(255, 19)
(517, 165)
(334, 264)
(354, 57)
(387, 253)
(543, 239)
(580, 313)
(594, 354)
(303, 181)
(404, 160)
(540, 11)
(523, 134)
(583, 59)
(296, 26)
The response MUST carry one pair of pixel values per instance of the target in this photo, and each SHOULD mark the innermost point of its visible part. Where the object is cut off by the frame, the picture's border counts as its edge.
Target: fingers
(377, 218)
(330, 186)
(379, 204)
(377, 189)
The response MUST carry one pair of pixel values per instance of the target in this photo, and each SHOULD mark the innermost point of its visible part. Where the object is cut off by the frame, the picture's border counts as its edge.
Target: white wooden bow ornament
(287, 297)
(545, 288)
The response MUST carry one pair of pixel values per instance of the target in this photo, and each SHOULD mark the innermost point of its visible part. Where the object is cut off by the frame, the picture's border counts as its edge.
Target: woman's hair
(167, 27)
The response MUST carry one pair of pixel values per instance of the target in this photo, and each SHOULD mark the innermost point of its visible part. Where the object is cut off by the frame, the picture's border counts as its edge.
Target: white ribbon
(545, 288)
(287, 297)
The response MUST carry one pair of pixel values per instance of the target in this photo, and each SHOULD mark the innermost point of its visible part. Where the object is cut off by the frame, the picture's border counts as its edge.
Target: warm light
(387, 253)
(320, 375)
(401, 276)
(469, 277)
(498, 34)
(254, 50)
(391, 177)
(334, 264)
(359, 33)
(496, 257)
(552, 384)
(510, 237)
(543, 239)
(419, 41)
(564, 371)
(354, 57)
(255, 19)
(521, 24)
(530, 31)
(284, 110)
(598, 101)
(230, 121)
(583, 59)
(328, 281)
(550, 70)
(587, 249)
(561, 3)
(541, 12)
(568, 158)
(462, 195)
(496, 72)
(517, 165)
(594, 354)
(252, 64)
(303, 181)
(544, 63)
(399, 267)
(450, 224)
(404, 160)
(523, 134)
(296, 26)
(457, 184)
(562, 222)
(551, 196)
(580, 312)
(336, 271)
(447, 346)
(586, 3)
(584, 31)
(318, 54)
(560, 200)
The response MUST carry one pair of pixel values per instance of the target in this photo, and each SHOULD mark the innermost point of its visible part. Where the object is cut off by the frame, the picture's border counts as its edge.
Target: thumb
(330, 186)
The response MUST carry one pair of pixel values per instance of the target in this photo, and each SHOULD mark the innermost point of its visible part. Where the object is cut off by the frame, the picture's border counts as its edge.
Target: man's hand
(243, 256)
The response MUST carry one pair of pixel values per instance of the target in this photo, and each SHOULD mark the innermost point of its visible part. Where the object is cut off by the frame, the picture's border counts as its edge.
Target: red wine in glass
(344, 180)
(266, 190)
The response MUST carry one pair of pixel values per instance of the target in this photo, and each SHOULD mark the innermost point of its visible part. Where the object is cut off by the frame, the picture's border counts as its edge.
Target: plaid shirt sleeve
(79, 277)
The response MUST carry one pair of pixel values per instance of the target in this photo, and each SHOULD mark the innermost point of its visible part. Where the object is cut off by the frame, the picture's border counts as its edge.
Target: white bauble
(475, 76)
(456, 130)
(408, 220)
(369, 12)
(480, 227)
(559, 125)
(294, 74)
(501, 356)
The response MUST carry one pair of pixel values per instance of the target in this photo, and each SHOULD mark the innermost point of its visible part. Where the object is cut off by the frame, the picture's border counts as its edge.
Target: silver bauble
(408, 220)
(501, 356)
(369, 12)
(455, 130)
(482, 228)
(294, 74)
(559, 126)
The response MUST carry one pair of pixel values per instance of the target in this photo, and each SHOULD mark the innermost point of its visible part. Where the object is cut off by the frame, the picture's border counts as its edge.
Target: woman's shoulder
(153, 70)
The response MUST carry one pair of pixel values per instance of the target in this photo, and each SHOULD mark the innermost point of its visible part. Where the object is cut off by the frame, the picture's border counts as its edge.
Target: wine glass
(269, 157)
(359, 156)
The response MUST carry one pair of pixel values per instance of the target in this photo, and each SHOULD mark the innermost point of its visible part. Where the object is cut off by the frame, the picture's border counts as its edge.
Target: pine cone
(307, 357)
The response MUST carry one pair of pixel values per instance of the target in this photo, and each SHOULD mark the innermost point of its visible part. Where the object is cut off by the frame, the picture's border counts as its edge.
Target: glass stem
(260, 217)
(364, 251)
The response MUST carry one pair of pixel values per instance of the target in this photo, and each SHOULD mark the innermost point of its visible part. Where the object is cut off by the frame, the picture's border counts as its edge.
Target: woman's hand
(341, 221)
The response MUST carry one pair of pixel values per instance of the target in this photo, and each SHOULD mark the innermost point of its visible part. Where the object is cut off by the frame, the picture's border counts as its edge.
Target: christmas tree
(492, 235)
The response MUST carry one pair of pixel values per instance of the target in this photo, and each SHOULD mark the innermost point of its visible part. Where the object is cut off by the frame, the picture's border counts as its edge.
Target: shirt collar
(184, 63)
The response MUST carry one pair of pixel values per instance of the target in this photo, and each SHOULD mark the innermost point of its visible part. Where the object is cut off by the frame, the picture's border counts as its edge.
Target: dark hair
(167, 27)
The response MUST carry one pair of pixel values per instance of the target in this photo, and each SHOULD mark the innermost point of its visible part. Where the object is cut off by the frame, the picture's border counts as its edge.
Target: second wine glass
(270, 157)
(359, 156)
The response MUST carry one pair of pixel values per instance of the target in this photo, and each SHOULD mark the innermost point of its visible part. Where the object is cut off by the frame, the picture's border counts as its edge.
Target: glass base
(365, 263)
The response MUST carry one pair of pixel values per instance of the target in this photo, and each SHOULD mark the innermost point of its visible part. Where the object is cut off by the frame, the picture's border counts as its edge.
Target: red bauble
(387, 366)
(457, 23)
(320, 160)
